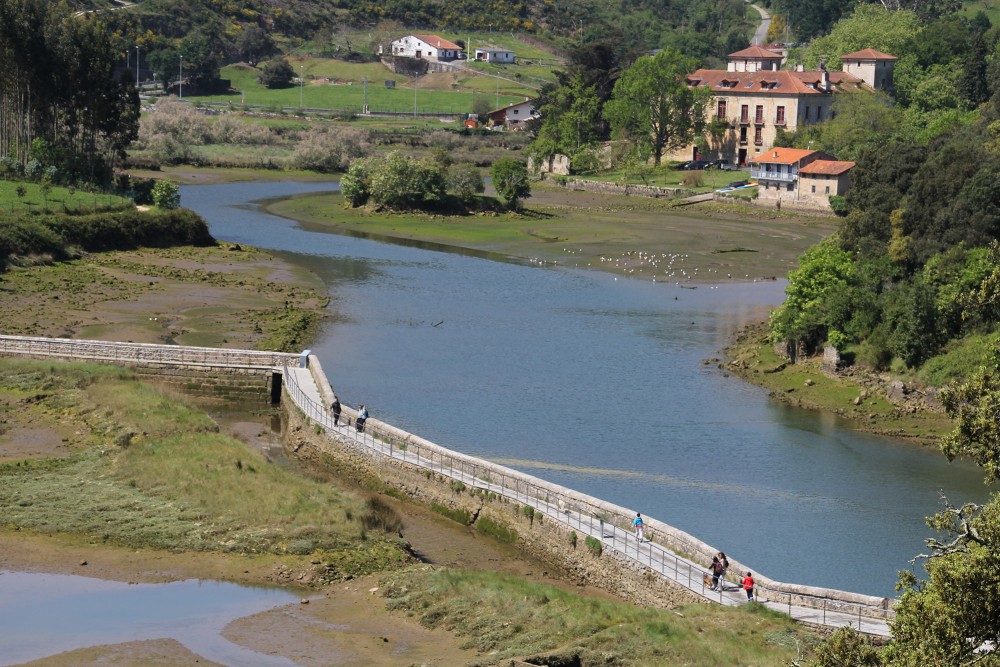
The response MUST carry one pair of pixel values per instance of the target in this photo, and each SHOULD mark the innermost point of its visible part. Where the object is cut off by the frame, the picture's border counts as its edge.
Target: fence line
(596, 518)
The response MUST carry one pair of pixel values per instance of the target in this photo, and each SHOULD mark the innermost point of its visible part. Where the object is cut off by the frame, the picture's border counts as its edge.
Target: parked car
(697, 164)
(721, 164)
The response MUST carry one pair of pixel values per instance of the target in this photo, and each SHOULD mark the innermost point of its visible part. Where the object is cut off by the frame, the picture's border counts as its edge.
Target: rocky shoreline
(872, 402)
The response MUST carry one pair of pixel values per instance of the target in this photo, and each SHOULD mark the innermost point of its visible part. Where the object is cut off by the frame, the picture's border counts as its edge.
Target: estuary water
(609, 386)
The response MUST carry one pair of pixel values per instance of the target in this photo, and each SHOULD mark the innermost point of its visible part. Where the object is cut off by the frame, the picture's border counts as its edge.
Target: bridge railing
(140, 353)
(671, 553)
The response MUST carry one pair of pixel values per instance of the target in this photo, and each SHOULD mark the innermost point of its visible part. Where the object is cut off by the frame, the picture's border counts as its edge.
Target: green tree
(653, 106)
(846, 647)
(166, 195)
(355, 185)
(975, 404)
(253, 44)
(510, 178)
(277, 73)
(201, 59)
(824, 270)
(571, 118)
(466, 182)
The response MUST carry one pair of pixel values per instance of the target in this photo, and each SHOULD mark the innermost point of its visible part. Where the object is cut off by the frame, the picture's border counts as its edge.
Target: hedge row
(58, 235)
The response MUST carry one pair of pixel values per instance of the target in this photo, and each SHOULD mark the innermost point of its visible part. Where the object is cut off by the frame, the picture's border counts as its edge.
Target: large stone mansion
(754, 97)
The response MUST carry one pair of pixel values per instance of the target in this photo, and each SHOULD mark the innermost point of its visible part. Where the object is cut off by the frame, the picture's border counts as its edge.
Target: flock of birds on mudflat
(660, 267)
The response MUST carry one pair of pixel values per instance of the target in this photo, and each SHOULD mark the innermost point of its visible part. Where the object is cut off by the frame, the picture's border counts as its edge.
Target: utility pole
(137, 66)
(180, 78)
(302, 83)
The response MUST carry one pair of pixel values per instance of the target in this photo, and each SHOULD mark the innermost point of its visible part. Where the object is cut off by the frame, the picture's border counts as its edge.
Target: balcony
(758, 120)
(765, 175)
(780, 122)
(744, 120)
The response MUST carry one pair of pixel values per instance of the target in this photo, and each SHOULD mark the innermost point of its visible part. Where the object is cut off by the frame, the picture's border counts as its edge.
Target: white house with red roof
(799, 178)
(514, 115)
(753, 98)
(426, 47)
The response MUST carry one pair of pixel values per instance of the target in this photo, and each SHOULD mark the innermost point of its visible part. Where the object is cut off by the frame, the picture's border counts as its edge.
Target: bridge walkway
(614, 539)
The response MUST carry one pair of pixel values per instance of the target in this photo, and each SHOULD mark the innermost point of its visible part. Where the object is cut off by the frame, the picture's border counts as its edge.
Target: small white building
(426, 47)
(492, 54)
(514, 115)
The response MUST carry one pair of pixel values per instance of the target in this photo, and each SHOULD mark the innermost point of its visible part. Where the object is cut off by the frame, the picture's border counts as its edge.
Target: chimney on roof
(800, 68)
(775, 155)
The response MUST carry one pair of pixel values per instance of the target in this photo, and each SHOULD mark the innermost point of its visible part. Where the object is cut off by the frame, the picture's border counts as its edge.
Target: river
(607, 385)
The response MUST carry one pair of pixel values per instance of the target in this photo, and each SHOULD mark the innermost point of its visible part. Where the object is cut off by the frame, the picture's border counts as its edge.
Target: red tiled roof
(511, 106)
(439, 42)
(755, 52)
(868, 54)
(784, 82)
(782, 155)
(826, 167)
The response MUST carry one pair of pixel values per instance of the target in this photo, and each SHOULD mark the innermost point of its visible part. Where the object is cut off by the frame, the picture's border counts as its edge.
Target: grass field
(505, 617)
(336, 85)
(667, 175)
(156, 473)
(57, 199)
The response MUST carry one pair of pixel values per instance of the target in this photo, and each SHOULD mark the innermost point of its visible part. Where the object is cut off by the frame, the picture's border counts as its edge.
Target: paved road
(760, 35)
(614, 540)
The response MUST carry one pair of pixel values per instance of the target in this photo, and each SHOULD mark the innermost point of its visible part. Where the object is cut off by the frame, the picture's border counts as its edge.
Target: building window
(758, 135)
(828, 189)
(721, 111)
(745, 113)
(759, 114)
(790, 187)
(807, 113)
(779, 116)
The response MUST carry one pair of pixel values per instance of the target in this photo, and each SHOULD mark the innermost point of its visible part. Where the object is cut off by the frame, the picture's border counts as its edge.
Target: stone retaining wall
(602, 187)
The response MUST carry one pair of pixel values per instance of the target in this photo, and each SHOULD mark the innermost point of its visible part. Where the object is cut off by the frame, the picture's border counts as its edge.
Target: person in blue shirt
(362, 418)
(637, 524)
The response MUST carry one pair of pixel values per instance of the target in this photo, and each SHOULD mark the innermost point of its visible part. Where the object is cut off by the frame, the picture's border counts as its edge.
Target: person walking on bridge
(335, 410)
(359, 423)
(725, 568)
(716, 570)
(637, 524)
(748, 586)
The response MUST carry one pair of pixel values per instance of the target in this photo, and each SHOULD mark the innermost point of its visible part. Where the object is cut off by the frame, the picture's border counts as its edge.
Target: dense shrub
(466, 182)
(166, 195)
(328, 149)
(394, 181)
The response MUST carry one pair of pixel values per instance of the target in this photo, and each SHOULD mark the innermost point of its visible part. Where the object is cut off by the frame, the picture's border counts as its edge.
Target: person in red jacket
(748, 586)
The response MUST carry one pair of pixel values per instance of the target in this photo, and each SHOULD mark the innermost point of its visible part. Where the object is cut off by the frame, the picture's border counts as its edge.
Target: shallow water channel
(607, 386)
(46, 614)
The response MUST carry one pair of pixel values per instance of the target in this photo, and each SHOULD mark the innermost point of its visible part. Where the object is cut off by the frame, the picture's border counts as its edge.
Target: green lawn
(58, 198)
(667, 175)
